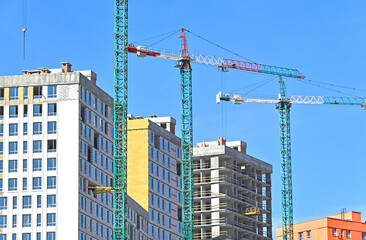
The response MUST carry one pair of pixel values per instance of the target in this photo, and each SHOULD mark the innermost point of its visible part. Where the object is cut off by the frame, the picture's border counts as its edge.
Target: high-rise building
(232, 192)
(345, 225)
(56, 138)
(153, 173)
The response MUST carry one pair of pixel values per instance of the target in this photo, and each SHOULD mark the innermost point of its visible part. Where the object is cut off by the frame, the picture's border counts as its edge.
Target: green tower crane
(185, 59)
(120, 120)
(283, 104)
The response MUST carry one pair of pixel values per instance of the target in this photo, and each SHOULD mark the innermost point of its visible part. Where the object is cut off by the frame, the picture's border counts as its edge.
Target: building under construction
(232, 192)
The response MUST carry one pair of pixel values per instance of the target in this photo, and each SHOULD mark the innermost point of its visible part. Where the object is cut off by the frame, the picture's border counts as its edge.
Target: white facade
(56, 132)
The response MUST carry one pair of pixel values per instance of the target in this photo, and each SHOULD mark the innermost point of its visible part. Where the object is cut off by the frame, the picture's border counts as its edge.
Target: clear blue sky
(325, 40)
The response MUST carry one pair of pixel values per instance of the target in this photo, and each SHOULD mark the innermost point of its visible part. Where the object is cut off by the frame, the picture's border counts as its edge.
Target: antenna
(343, 210)
(24, 23)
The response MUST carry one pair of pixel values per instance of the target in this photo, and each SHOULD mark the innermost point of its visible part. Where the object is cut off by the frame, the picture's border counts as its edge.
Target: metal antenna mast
(120, 120)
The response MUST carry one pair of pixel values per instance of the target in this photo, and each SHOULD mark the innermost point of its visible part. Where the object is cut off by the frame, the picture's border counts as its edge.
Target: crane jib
(147, 53)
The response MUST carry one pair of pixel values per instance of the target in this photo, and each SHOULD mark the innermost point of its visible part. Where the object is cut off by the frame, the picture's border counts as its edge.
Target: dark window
(25, 110)
(37, 92)
(51, 145)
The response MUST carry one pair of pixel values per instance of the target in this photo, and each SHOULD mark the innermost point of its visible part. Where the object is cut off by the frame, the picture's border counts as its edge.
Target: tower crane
(283, 104)
(120, 120)
(185, 59)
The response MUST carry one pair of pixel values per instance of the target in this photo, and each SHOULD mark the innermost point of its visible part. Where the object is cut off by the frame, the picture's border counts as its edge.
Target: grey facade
(227, 182)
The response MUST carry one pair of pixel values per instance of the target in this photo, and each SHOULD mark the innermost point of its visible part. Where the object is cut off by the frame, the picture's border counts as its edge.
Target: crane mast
(187, 139)
(120, 120)
(283, 107)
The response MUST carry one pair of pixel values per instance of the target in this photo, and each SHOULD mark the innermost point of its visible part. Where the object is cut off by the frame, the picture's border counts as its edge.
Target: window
(3, 237)
(3, 203)
(37, 92)
(51, 145)
(25, 112)
(37, 128)
(1, 166)
(51, 127)
(27, 202)
(162, 143)
(27, 220)
(25, 169)
(37, 183)
(13, 129)
(51, 201)
(308, 234)
(52, 91)
(25, 146)
(14, 221)
(37, 110)
(25, 183)
(89, 98)
(39, 235)
(348, 233)
(15, 202)
(1, 112)
(25, 92)
(13, 111)
(3, 221)
(26, 236)
(25, 129)
(51, 164)
(334, 232)
(13, 166)
(37, 146)
(101, 107)
(95, 103)
(1, 94)
(51, 182)
(37, 164)
(39, 220)
(1, 185)
(13, 93)
(1, 130)
(51, 236)
(51, 219)
(52, 109)
(301, 236)
(13, 147)
(39, 201)
(1, 148)
(13, 184)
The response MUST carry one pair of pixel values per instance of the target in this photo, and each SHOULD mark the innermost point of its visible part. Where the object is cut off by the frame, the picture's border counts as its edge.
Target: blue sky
(323, 39)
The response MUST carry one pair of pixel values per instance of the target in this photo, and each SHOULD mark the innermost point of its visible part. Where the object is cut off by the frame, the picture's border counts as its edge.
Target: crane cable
(157, 36)
(217, 45)
(330, 89)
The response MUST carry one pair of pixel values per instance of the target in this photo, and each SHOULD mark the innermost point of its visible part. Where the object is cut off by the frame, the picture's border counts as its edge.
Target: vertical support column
(187, 151)
(120, 120)
(286, 169)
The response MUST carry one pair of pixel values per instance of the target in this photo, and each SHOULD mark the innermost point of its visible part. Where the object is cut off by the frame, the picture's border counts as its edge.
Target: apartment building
(232, 192)
(344, 225)
(56, 138)
(153, 173)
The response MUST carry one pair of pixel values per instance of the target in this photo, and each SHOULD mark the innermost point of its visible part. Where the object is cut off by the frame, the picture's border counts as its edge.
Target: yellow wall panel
(21, 93)
(138, 161)
(30, 93)
(6, 94)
